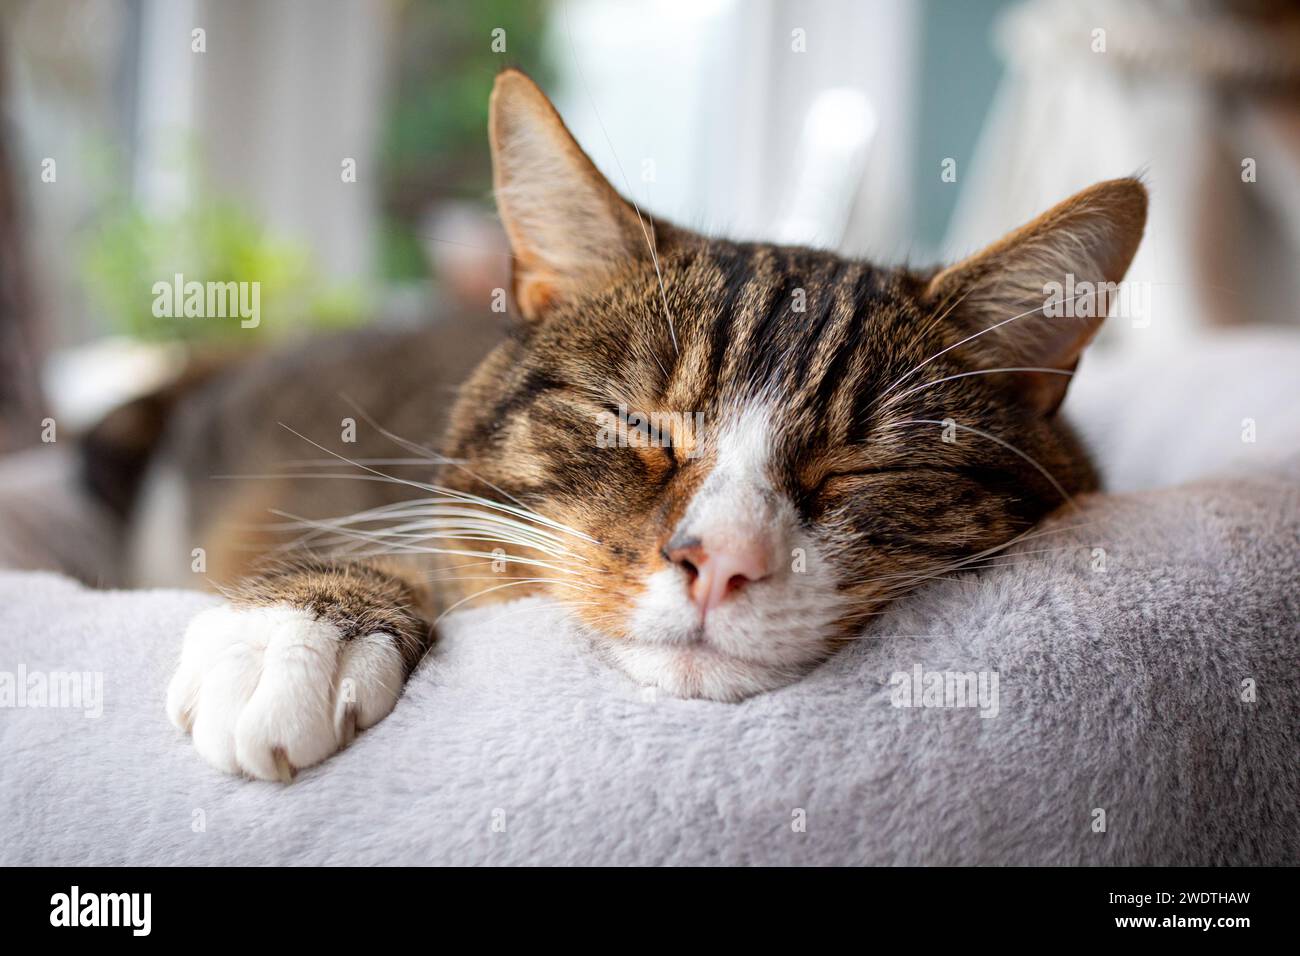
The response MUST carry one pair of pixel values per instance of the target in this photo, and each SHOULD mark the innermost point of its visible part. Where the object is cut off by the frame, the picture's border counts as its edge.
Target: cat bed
(1133, 698)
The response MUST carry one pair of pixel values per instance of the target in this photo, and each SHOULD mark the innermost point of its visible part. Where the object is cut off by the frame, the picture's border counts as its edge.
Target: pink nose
(714, 575)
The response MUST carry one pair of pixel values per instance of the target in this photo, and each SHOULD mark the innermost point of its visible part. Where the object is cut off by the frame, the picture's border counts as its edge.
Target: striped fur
(875, 446)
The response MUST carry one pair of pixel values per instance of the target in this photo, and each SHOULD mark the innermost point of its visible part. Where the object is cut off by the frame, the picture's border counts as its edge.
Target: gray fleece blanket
(1130, 696)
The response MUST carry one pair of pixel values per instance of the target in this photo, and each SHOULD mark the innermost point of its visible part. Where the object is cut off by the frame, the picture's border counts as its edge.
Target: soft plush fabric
(1119, 690)
(1156, 680)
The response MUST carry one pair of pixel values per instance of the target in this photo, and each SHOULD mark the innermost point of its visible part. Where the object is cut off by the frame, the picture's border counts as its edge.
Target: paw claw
(349, 731)
(283, 768)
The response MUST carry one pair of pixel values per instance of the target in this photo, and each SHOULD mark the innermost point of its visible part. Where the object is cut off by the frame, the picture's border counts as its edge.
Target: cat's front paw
(268, 690)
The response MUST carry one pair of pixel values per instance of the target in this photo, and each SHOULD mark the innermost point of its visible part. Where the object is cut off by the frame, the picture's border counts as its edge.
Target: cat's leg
(300, 657)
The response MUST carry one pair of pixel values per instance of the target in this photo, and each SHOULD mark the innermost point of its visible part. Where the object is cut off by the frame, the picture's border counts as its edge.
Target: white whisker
(378, 538)
(499, 587)
(983, 371)
(663, 295)
(326, 462)
(888, 392)
(519, 511)
(993, 438)
(412, 446)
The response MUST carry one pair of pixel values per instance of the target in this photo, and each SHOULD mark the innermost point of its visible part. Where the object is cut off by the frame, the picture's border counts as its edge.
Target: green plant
(213, 240)
(433, 141)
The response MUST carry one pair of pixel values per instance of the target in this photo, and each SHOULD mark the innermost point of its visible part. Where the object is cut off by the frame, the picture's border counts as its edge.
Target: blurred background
(335, 152)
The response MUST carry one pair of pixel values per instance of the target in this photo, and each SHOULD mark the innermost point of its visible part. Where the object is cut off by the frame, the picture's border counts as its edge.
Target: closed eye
(649, 436)
(641, 423)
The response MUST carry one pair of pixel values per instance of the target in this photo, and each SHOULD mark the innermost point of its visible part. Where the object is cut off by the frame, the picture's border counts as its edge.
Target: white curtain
(281, 95)
(1203, 100)
(754, 119)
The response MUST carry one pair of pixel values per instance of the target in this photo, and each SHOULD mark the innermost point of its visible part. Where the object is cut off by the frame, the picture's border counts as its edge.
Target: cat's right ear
(568, 227)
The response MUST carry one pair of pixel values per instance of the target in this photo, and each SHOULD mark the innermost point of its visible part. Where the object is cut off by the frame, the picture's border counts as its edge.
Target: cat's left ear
(1050, 284)
(568, 227)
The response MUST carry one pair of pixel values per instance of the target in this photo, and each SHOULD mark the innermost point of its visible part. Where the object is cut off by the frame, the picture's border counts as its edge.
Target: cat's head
(746, 450)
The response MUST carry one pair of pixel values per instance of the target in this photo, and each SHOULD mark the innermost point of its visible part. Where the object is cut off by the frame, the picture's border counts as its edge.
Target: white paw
(268, 690)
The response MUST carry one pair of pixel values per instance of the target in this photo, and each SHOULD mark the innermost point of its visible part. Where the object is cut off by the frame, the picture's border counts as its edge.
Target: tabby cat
(836, 433)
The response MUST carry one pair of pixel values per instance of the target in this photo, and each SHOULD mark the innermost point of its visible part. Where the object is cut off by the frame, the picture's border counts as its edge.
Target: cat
(722, 457)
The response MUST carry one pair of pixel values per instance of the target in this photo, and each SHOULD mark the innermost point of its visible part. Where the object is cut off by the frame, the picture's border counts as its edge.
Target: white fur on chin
(698, 670)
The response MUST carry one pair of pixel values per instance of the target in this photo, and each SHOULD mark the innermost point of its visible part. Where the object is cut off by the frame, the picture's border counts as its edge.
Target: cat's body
(212, 482)
(838, 432)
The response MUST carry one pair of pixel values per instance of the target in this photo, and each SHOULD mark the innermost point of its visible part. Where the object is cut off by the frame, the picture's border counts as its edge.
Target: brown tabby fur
(890, 501)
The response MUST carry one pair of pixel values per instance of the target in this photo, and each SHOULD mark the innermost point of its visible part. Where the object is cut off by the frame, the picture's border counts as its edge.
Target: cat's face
(747, 450)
